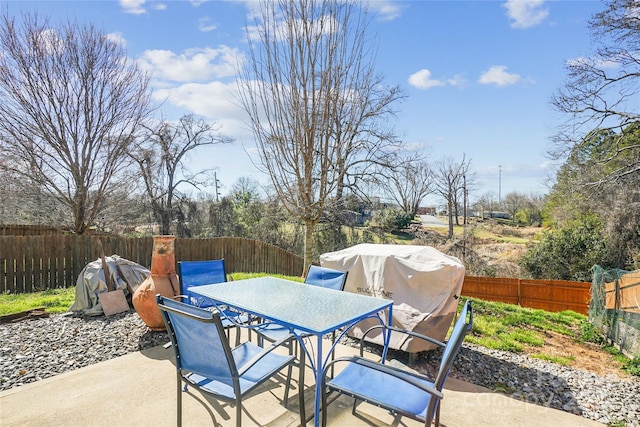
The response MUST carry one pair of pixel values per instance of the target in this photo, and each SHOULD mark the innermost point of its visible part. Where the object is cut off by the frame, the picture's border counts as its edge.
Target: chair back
(460, 329)
(197, 273)
(198, 340)
(326, 277)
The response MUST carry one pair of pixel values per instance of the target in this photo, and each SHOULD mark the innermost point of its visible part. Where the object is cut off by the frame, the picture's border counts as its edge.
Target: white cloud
(205, 25)
(117, 38)
(215, 101)
(586, 62)
(386, 10)
(195, 64)
(497, 75)
(422, 80)
(525, 13)
(135, 7)
(458, 81)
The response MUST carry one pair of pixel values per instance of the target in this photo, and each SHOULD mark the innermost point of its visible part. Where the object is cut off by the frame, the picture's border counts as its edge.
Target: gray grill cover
(424, 283)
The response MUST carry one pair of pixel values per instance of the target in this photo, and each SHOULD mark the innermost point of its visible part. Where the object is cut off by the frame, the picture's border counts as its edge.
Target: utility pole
(464, 213)
(499, 183)
(215, 183)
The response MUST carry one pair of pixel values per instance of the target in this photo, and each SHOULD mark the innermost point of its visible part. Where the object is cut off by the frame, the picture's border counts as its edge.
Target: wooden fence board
(19, 264)
(41, 262)
(624, 294)
(550, 295)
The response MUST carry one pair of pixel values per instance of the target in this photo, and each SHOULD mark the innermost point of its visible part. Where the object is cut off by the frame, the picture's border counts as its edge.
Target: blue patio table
(301, 308)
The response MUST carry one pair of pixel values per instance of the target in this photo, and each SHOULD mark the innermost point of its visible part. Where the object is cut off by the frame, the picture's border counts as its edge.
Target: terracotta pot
(163, 280)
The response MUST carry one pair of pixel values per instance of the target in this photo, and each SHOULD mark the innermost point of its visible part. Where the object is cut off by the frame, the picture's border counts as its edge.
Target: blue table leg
(319, 369)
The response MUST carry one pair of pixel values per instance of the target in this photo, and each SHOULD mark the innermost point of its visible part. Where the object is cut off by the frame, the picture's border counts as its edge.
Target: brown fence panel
(491, 289)
(28, 230)
(48, 261)
(556, 295)
(623, 294)
(18, 253)
(549, 295)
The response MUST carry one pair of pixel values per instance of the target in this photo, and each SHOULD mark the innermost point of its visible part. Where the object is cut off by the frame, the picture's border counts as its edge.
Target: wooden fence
(37, 263)
(549, 295)
(624, 293)
(28, 230)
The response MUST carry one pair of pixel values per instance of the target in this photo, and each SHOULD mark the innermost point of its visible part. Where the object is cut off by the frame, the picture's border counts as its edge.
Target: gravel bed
(32, 350)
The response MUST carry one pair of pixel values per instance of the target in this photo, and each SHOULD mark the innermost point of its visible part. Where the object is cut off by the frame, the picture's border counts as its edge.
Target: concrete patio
(139, 389)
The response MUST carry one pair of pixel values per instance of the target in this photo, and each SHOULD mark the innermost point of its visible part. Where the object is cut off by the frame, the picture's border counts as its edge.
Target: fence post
(519, 292)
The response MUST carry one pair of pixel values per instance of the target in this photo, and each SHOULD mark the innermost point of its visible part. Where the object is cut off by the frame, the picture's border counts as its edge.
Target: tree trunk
(450, 209)
(308, 243)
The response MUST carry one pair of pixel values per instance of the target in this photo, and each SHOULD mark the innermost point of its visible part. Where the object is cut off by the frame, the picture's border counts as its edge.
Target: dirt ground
(588, 356)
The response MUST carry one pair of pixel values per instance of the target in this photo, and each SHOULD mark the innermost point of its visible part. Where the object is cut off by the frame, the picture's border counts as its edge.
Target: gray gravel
(31, 350)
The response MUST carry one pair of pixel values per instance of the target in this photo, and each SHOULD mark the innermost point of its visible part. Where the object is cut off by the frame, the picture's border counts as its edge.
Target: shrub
(390, 219)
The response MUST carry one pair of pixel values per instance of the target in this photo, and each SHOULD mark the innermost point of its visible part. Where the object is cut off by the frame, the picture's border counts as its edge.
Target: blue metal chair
(198, 273)
(205, 360)
(395, 389)
(326, 277)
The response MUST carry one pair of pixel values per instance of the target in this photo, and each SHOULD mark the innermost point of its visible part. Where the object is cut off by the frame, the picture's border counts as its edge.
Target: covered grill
(424, 284)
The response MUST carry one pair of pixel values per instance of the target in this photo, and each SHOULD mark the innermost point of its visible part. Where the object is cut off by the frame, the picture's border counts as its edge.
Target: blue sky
(478, 75)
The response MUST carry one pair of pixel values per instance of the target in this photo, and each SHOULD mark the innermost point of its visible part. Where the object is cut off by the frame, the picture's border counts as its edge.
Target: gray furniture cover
(125, 274)
(424, 283)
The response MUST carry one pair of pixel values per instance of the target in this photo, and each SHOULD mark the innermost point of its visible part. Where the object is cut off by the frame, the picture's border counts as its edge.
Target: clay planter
(162, 280)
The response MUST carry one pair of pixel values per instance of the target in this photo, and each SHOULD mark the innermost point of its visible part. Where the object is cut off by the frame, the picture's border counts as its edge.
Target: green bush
(390, 219)
(568, 253)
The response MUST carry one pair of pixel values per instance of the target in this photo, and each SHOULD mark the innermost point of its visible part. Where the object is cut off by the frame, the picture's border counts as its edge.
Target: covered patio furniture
(424, 284)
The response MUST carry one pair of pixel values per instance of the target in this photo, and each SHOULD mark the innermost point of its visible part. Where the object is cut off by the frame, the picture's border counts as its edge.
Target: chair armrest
(410, 378)
(402, 331)
(266, 350)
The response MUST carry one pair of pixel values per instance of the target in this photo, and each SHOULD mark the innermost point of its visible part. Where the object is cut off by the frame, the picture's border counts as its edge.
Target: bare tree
(312, 101)
(487, 204)
(160, 155)
(449, 180)
(70, 102)
(513, 202)
(25, 203)
(408, 183)
(601, 94)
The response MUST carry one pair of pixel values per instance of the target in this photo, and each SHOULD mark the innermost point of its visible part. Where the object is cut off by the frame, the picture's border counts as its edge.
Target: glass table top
(310, 308)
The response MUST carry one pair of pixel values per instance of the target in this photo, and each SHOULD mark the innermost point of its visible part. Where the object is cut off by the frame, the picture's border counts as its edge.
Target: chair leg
(323, 402)
(288, 386)
(238, 413)
(179, 402)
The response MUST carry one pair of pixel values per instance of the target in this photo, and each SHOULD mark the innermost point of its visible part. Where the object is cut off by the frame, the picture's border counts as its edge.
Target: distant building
(427, 210)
